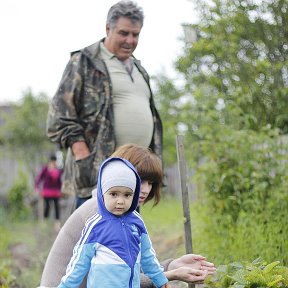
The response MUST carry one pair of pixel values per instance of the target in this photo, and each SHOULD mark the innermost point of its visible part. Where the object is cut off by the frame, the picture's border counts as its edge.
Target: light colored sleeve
(78, 266)
(150, 264)
(62, 249)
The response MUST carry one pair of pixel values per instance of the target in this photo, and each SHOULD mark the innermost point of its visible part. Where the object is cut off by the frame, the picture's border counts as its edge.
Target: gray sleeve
(62, 248)
(145, 282)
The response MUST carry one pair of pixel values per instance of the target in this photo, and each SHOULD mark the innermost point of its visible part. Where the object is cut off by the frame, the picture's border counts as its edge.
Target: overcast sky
(38, 35)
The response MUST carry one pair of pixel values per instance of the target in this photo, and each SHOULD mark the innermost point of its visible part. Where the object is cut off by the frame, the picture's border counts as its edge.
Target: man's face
(122, 39)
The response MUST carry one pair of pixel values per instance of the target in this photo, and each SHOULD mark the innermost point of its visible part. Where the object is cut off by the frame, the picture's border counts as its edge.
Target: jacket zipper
(123, 224)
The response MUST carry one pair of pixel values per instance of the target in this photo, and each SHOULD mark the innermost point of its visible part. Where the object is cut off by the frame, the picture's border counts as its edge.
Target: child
(114, 242)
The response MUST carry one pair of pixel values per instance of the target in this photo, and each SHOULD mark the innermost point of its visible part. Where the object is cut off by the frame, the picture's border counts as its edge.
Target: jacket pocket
(85, 174)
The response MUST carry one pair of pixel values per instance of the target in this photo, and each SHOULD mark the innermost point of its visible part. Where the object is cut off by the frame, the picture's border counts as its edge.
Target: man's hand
(80, 150)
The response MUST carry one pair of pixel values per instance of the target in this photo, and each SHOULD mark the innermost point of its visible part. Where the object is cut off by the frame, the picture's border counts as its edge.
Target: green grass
(166, 227)
(167, 214)
(24, 247)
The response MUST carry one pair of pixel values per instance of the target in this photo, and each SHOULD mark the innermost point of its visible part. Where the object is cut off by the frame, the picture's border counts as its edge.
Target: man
(104, 100)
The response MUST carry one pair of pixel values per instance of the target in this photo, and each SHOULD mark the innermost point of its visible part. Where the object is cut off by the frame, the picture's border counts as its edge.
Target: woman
(188, 268)
(48, 184)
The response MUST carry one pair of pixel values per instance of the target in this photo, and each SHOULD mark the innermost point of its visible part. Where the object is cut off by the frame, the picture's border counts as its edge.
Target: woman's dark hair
(52, 157)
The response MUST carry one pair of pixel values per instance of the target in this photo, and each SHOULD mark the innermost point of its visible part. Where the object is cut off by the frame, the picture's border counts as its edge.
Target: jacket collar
(93, 53)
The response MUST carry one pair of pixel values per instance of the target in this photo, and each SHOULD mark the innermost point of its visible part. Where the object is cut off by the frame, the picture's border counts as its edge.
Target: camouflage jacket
(81, 110)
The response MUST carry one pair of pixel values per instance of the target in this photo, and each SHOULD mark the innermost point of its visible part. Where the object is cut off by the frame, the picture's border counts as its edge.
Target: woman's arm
(40, 177)
(62, 249)
(189, 268)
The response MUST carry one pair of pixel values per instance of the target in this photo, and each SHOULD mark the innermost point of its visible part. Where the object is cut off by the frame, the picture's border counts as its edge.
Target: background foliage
(231, 106)
(258, 273)
(230, 103)
(24, 130)
(242, 198)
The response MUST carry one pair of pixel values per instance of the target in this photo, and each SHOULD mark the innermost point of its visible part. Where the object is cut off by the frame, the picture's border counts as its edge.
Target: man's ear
(107, 29)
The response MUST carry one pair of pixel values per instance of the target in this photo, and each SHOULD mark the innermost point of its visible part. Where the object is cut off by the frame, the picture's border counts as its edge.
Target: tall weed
(17, 198)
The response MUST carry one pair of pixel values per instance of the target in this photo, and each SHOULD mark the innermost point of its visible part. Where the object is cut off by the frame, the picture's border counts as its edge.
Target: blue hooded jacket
(113, 248)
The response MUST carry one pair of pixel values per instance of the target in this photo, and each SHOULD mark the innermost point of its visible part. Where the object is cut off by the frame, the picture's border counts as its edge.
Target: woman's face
(145, 189)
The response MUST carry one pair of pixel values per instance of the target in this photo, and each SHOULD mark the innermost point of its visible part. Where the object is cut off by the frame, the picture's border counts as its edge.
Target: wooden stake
(185, 196)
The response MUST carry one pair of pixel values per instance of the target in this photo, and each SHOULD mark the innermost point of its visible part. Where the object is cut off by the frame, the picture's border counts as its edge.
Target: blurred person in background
(48, 184)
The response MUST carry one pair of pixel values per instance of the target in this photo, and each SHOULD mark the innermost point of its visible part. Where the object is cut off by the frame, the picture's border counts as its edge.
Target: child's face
(118, 199)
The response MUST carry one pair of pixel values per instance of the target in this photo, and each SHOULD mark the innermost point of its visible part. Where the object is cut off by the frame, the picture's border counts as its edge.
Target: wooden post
(185, 196)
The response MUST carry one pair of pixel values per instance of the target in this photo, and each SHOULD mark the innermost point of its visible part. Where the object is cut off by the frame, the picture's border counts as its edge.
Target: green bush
(243, 170)
(17, 195)
(7, 278)
(249, 275)
(242, 198)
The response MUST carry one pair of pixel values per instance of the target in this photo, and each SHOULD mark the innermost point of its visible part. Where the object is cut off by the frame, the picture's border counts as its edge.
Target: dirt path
(30, 251)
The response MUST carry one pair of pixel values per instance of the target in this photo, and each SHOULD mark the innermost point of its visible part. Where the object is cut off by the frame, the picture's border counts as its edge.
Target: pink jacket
(50, 181)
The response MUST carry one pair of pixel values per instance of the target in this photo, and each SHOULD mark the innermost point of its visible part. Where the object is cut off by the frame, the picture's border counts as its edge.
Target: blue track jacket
(113, 248)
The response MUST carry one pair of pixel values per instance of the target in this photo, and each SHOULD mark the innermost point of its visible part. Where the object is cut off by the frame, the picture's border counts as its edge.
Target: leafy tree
(235, 74)
(232, 108)
(238, 66)
(167, 101)
(24, 129)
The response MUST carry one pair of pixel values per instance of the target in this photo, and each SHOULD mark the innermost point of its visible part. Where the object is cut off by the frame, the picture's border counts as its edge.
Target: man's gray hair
(127, 9)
